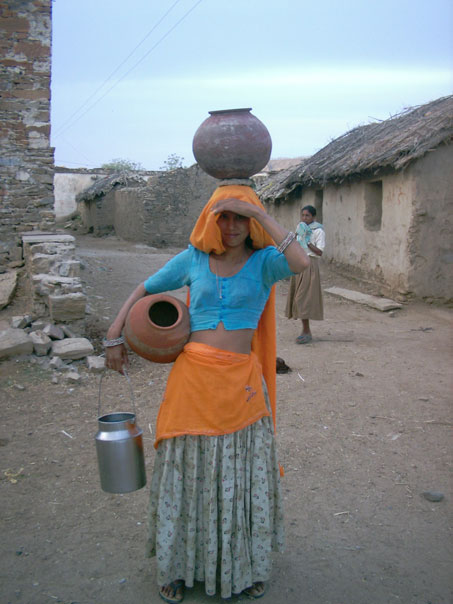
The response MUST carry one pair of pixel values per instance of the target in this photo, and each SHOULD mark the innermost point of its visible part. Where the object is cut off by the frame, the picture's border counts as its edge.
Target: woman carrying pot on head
(215, 504)
(305, 295)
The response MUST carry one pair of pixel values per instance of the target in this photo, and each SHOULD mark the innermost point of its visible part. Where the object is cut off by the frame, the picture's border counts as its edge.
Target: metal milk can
(119, 447)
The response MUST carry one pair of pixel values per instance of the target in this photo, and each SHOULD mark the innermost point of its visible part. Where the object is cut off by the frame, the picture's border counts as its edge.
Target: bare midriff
(238, 340)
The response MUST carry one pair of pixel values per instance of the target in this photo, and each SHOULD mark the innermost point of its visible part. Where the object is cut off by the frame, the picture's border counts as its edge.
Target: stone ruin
(57, 308)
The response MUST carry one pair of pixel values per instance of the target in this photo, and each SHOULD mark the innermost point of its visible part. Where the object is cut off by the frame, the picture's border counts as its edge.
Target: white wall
(66, 187)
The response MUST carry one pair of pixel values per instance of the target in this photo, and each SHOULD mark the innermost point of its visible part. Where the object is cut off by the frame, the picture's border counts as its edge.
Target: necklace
(232, 270)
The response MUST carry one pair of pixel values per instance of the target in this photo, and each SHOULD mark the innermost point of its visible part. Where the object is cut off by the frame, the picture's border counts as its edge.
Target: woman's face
(234, 228)
(306, 217)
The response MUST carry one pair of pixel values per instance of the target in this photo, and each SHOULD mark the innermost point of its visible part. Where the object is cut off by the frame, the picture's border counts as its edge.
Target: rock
(56, 363)
(72, 348)
(69, 268)
(68, 331)
(95, 364)
(73, 377)
(54, 332)
(433, 496)
(14, 342)
(67, 307)
(21, 321)
(41, 342)
(8, 284)
(382, 304)
(38, 325)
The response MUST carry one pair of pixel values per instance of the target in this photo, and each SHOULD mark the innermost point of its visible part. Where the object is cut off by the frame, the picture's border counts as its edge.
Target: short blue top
(236, 301)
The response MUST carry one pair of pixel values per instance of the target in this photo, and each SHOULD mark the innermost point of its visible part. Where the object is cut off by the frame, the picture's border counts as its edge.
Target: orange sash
(206, 237)
(211, 392)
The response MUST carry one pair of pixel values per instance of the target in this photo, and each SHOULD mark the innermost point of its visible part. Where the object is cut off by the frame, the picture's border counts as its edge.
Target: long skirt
(305, 295)
(216, 510)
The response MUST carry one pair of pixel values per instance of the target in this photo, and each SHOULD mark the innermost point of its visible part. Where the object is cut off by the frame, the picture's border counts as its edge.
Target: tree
(172, 162)
(121, 165)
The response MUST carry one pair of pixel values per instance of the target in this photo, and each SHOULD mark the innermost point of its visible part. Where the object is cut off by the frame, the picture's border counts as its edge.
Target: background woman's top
(236, 301)
(311, 233)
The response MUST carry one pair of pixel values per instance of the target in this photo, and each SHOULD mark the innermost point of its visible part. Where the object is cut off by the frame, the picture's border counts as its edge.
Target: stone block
(8, 284)
(41, 343)
(95, 364)
(381, 304)
(73, 377)
(38, 325)
(69, 268)
(43, 263)
(72, 348)
(14, 342)
(67, 307)
(21, 321)
(54, 332)
(57, 363)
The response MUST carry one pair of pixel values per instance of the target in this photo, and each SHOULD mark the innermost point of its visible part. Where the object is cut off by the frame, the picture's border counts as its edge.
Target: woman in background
(304, 300)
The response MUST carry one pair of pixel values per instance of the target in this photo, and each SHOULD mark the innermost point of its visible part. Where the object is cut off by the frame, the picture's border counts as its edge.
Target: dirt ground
(364, 429)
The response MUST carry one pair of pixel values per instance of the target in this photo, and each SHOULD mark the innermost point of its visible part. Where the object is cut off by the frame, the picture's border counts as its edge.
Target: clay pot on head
(232, 143)
(157, 327)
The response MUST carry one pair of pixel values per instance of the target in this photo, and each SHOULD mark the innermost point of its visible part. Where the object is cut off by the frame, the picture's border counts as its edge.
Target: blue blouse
(236, 301)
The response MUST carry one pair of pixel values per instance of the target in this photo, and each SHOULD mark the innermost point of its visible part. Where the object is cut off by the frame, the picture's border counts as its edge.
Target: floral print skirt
(216, 510)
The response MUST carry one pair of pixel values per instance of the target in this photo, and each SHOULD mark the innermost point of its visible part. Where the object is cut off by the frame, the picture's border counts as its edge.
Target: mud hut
(384, 192)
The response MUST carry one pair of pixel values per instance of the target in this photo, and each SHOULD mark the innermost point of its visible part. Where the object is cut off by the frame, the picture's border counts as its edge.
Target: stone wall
(160, 214)
(69, 182)
(53, 272)
(27, 160)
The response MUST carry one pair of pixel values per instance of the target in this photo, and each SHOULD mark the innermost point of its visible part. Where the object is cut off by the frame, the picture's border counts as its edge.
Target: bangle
(286, 241)
(115, 342)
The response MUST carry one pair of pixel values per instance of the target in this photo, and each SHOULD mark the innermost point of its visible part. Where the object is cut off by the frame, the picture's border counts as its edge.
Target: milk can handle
(130, 385)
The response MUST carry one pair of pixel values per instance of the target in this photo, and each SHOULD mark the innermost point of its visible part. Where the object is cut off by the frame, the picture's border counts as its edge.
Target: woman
(215, 505)
(305, 295)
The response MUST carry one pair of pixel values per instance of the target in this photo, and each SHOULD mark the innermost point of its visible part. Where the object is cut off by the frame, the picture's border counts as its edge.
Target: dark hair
(310, 209)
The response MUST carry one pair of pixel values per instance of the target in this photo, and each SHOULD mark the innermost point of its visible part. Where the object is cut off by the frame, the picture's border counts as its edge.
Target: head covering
(206, 236)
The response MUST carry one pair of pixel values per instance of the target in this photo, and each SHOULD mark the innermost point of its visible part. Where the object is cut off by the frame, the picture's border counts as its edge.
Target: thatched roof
(370, 149)
(105, 185)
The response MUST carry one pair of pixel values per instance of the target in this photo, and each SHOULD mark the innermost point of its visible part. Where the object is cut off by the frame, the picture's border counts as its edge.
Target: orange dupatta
(206, 237)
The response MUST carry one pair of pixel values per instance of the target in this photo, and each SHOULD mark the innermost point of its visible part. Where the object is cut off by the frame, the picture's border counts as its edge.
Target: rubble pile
(54, 346)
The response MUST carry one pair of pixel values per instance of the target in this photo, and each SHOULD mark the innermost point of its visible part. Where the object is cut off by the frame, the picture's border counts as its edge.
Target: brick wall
(26, 160)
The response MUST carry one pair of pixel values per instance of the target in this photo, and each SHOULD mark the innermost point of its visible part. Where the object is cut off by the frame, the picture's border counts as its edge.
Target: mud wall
(27, 160)
(406, 249)
(160, 214)
(431, 230)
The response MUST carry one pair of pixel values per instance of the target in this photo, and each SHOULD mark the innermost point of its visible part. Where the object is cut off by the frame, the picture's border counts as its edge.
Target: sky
(134, 80)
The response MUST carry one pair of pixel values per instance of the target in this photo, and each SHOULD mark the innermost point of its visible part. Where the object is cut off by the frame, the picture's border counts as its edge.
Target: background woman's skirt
(215, 509)
(305, 295)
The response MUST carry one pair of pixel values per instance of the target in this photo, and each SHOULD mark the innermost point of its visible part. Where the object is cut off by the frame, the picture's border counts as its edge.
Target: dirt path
(364, 429)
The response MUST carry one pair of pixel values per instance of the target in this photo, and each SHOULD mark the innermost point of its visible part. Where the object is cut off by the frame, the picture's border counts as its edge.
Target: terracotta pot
(232, 144)
(157, 327)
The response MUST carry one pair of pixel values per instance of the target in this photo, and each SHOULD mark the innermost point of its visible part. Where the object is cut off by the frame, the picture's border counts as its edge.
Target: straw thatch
(105, 185)
(368, 150)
